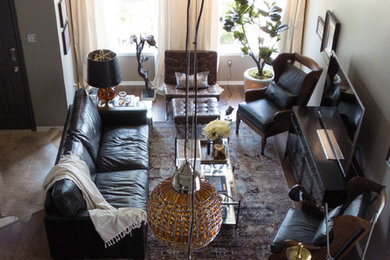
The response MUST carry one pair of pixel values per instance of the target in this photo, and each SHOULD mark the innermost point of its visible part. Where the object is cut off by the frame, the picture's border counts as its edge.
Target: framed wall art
(320, 27)
(66, 39)
(330, 34)
(63, 13)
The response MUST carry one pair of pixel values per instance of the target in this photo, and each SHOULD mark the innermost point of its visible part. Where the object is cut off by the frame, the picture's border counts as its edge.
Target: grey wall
(239, 65)
(363, 51)
(128, 64)
(45, 63)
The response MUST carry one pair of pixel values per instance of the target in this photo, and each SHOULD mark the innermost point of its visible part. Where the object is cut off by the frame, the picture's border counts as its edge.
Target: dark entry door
(15, 101)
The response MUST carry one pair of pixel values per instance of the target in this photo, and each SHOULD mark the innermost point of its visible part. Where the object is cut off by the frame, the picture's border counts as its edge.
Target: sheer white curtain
(294, 17)
(90, 23)
(172, 30)
(86, 17)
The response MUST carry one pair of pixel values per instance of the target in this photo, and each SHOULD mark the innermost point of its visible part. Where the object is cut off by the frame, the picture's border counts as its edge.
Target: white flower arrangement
(217, 129)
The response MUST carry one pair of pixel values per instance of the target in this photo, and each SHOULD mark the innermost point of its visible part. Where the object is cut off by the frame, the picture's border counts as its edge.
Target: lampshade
(103, 69)
(170, 210)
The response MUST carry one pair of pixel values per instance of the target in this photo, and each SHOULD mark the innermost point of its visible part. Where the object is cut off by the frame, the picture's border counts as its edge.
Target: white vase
(252, 83)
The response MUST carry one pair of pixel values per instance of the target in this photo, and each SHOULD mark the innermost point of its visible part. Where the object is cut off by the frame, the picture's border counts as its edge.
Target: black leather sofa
(115, 146)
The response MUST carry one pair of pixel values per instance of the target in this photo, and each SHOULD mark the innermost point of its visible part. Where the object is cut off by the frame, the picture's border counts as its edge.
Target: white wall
(364, 55)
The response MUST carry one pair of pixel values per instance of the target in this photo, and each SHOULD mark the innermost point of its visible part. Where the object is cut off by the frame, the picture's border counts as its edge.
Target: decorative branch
(149, 39)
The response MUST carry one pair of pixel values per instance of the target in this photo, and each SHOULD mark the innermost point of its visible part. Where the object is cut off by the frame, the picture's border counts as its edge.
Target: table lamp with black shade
(104, 73)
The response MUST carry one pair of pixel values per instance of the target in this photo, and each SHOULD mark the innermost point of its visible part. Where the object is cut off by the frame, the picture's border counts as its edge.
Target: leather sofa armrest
(123, 116)
(66, 197)
(255, 94)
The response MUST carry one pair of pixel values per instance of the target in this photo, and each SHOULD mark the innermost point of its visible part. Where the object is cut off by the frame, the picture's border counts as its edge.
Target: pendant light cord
(187, 81)
(195, 124)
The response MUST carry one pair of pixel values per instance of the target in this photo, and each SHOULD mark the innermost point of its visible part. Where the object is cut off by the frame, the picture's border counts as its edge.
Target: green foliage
(267, 74)
(226, 38)
(244, 13)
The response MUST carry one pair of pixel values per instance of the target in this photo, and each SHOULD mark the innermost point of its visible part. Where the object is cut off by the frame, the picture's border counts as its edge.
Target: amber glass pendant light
(184, 212)
(170, 211)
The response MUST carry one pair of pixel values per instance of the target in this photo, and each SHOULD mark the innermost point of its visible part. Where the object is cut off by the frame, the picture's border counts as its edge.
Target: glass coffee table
(219, 173)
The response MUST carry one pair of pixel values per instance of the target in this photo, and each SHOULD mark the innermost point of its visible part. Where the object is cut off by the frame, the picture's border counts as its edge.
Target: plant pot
(253, 83)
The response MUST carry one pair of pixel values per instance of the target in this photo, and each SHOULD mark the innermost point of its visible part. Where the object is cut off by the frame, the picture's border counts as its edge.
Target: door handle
(12, 54)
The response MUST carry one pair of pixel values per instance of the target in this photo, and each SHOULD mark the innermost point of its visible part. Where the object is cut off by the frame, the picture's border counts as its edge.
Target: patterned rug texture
(261, 186)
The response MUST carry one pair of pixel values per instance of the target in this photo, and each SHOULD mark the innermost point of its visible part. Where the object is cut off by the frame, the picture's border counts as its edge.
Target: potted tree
(266, 23)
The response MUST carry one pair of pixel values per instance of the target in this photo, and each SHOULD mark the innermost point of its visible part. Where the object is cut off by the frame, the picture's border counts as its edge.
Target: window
(227, 43)
(126, 17)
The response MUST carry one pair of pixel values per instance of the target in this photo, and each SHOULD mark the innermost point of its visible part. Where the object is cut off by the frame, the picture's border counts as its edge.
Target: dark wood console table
(322, 178)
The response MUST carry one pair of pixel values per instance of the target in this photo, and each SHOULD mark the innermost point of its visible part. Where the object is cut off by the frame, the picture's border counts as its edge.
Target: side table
(135, 104)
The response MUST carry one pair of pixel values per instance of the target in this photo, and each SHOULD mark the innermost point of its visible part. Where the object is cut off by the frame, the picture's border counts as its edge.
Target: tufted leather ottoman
(208, 110)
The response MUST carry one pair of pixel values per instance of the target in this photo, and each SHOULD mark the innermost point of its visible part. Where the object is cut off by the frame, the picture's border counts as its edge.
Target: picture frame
(63, 13)
(320, 27)
(66, 39)
(330, 34)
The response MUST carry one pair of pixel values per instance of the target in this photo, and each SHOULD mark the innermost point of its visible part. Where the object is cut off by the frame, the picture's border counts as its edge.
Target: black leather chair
(267, 110)
(348, 224)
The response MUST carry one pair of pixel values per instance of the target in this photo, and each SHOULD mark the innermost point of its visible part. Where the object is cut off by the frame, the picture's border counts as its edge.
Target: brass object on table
(219, 151)
(298, 253)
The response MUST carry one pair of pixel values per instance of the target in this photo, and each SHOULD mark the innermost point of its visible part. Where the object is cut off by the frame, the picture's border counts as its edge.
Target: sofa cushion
(282, 97)
(85, 122)
(320, 236)
(362, 206)
(260, 112)
(296, 226)
(123, 148)
(73, 145)
(124, 188)
(292, 79)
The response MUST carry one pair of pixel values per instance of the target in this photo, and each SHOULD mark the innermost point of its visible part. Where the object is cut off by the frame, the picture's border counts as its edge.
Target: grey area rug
(25, 159)
(260, 184)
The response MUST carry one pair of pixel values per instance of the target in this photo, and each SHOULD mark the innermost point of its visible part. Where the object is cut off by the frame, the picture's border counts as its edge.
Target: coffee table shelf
(219, 173)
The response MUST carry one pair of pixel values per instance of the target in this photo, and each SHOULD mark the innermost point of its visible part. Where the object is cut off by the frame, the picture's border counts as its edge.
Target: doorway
(15, 100)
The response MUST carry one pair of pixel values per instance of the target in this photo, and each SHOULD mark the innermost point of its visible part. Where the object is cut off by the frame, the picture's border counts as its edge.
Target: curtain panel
(294, 17)
(172, 30)
(90, 30)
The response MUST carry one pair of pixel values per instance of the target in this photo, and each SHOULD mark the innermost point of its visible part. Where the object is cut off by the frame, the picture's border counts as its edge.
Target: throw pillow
(320, 236)
(282, 97)
(202, 78)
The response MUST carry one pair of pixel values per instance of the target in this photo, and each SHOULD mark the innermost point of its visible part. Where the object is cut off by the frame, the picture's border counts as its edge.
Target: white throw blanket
(112, 224)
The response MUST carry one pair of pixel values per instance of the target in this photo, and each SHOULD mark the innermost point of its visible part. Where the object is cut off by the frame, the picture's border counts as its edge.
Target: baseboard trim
(132, 83)
(224, 82)
(47, 128)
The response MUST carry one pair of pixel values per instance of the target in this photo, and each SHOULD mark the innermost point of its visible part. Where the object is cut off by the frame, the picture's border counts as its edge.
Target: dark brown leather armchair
(267, 110)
